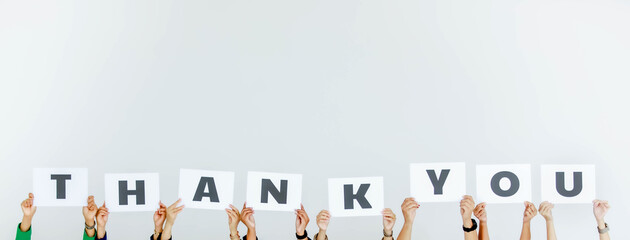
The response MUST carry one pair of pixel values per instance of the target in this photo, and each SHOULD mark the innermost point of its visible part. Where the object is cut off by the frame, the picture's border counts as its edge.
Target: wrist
(300, 232)
(322, 231)
(90, 222)
(158, 229)
(388, 232)
(467, 221)
(601, 223)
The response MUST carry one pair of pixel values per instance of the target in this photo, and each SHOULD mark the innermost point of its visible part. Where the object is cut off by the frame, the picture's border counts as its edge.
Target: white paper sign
(274, 191)
(206, 189)
(356, 196)
(60, 186)
(438, 182)
(504, 183)
(578, 185)
(132, 192)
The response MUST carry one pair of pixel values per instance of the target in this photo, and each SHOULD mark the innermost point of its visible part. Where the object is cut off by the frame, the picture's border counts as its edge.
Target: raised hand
(545, 210)
(409, 207)
(389, 219)
(27, 206)
(247, 217)
(172, 211)
(171, 214)
(29, 209)
(301, 220)
(530, 212)
(101, 220)
(89, 211)
(600, 208)
(480, 212)
(234, 217)
(466, 206)
(323, 219)
(158, 219)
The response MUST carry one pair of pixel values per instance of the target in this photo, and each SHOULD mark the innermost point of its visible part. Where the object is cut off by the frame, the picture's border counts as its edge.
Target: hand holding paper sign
(301, 220)
(89, 212)
(545, 211)
(158, 219)
(247, 217)
(480, 213)
(389, 219)
(530, 212)
(29, 211)
(323, 219)
(101, 220)
(409, 207)
(171, 214)
(467, 206)
(600, 208)
(234, 217)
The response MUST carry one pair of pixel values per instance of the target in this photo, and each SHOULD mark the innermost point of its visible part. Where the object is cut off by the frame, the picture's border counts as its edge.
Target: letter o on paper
(495, 183)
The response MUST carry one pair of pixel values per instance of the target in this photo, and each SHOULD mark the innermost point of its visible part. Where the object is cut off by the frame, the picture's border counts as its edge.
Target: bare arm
(323, 219)
(247, 217)
(89, 213)
(171, 215)
(409, 207)
(29, 211)
(528, 215)
(467, 205)
(480, 213)
(600, 208)
(101, 221)
(545, 211)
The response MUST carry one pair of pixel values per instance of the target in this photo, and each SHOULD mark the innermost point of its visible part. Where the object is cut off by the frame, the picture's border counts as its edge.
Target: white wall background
(326, 88)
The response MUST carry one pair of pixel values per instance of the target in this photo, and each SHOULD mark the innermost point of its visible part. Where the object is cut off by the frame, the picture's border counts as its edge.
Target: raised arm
(247, 217)
(158, 220)
(323, 219)
(600, 208)
(171, 214)
(480, 213)
(234, 217)
(466, 206)
(545, 210)
(301, 221)
(409, 207)
(389, 219)
(101, 221)
(89, 213)
(530, 212)
(28, 209)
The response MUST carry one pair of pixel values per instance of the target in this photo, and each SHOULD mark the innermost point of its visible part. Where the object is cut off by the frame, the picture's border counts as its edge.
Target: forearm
(26, 223)
(601, 224)
(483, 231)
(251, 233)
(525, 232)
(90, 232)
(321, 235)
(100, 232)
(405, 232)
(551, 230)
(472, 235)
(167, 233)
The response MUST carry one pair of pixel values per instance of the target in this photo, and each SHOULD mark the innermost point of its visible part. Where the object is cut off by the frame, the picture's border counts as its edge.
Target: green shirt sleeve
(86, 237)
(23, 235)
